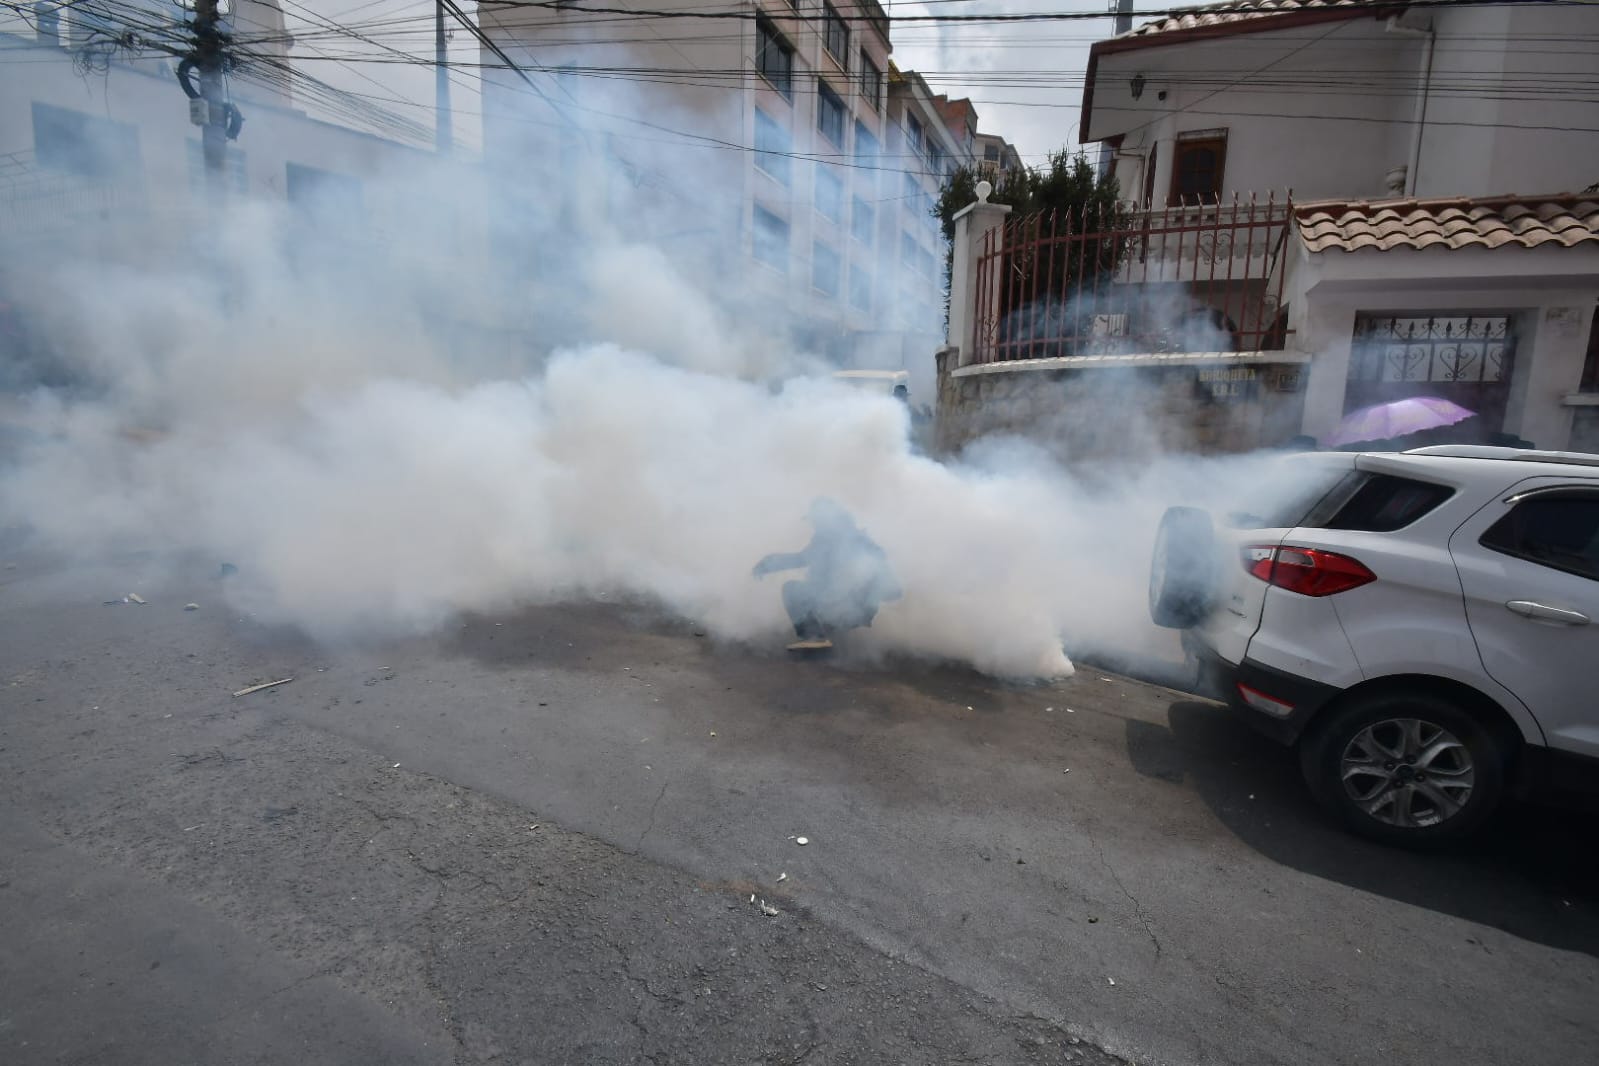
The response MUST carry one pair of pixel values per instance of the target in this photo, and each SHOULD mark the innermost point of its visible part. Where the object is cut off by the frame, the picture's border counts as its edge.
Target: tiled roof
(1241, 11)
(1522, 221)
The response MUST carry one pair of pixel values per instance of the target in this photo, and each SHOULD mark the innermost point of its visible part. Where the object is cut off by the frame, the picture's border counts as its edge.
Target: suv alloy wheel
(1408, 768)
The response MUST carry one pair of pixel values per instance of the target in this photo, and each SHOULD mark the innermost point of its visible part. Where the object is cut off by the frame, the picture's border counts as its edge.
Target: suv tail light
(1307, 571)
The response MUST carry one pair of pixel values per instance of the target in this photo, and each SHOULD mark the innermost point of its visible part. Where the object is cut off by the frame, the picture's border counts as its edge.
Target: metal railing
(1124, 281)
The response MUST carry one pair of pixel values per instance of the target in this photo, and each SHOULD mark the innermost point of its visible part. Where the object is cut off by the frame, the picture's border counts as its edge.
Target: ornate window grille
(1432, 348)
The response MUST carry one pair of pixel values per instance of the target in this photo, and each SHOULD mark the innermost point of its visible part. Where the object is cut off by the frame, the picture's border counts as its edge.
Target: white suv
(1423, 625)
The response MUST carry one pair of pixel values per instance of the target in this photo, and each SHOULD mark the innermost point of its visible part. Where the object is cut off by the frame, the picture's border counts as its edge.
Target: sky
(1025, 78)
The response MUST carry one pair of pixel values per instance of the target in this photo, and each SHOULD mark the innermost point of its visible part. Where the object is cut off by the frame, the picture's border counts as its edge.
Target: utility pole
(441, 61)
(214, 129)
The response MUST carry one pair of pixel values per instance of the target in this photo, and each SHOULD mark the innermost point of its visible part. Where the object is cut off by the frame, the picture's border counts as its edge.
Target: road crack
(650, 825)
(1138, 908)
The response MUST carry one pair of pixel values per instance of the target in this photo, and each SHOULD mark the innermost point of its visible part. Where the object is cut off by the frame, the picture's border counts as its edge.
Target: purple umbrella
(1385, 421)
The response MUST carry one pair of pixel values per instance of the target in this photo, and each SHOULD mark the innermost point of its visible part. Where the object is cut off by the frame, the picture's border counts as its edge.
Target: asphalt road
(535, 838)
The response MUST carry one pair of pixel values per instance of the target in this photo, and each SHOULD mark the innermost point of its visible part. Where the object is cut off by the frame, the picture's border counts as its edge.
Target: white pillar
(1329, 335)
(972, 226)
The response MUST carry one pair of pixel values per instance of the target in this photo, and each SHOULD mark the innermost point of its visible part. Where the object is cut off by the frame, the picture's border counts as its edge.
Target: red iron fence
(1123, 281)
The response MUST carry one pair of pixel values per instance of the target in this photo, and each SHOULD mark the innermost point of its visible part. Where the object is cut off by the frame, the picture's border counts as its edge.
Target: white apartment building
(778, 128)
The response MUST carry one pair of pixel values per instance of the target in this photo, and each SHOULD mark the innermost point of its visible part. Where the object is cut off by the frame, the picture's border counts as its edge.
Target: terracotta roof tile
(1492, 222)
(1239, 11)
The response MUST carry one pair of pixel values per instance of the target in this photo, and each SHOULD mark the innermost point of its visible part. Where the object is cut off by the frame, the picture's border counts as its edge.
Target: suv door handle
(1528, 609)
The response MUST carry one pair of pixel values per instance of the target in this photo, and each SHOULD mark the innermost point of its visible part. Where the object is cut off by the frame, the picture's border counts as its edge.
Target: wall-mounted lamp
(1138, 86)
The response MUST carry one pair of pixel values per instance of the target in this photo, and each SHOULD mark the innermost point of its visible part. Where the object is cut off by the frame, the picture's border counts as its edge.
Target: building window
(863, 221)
(774, 58)
(86, 145)
(1198, 166)
(829, 193)
(913, 135)
(772, 147)
(835, 34)
(871, 82)
(824, 269)
(936, 161)
(829, 113)
(991, 153)
(337, 196)
(1431, 348)
(866, 146)
(238, 178)
(860, 288)
(771, 239)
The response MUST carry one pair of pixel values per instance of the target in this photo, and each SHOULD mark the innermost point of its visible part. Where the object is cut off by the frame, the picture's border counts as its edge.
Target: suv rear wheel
(1407, 768)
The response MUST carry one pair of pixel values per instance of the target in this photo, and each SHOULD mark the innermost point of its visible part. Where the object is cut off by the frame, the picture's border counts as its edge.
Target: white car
(1422, 625)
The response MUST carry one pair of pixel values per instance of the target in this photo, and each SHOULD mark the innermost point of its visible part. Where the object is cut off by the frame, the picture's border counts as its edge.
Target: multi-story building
(782, 149)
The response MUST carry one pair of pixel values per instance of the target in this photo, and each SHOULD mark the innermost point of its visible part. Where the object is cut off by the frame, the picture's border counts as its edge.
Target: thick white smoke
(284, 398)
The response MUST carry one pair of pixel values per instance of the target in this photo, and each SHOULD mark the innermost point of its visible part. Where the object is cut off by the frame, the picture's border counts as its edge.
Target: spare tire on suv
(1182, 575)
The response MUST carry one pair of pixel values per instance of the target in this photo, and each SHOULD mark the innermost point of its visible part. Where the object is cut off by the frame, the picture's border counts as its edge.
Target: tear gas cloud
(279, 392)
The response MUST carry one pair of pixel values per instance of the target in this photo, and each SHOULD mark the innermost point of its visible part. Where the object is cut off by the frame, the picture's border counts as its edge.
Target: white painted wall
(1327, 110)
(1542, 134)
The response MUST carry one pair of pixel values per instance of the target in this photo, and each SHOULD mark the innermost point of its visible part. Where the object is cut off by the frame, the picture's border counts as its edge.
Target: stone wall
(1120, 412)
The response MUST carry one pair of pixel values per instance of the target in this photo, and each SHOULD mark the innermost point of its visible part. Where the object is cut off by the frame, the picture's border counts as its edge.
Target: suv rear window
(1382, 503)
(1558, 530)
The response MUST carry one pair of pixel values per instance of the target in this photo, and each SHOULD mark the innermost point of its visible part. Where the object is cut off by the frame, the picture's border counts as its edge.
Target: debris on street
(769, 911)
(258, 688)
(134, 597)
(781, 878)
(191, 607)
(802, 841)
